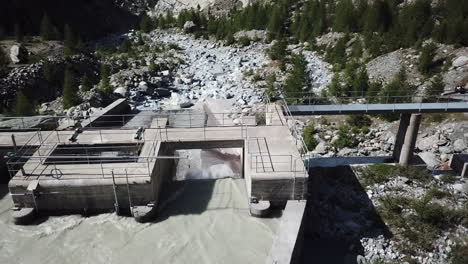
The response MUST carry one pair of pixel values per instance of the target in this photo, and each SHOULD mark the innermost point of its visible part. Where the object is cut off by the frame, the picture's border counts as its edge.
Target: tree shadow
(339, 214)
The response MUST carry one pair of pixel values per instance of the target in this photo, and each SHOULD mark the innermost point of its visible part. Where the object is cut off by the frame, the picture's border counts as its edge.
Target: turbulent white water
(208, 223)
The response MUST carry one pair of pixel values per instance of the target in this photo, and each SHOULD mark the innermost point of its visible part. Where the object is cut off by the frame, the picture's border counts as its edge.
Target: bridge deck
(345, 109)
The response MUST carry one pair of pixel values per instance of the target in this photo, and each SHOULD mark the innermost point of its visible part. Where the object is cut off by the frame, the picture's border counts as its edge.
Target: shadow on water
(339, 214)
(185, 197)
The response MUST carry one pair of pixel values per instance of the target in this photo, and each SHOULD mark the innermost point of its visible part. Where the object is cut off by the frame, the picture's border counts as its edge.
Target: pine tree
(425, 62)
(47, 31)
(345, 17)
(146, 24)
(335, 88)
(298, 78)
(104, 85)
(152, 66)
(337, 54)
(270, 91)
(375, 88)
(85, 83)
(22, 105)
(18, 33)
(361, 82)
(69, 41)
(70, 90)
(125, 46)
(278, 50)
(435, 89)
(356, 50)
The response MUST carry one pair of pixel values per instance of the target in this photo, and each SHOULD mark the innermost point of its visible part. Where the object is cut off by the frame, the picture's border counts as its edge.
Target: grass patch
(260, 119)
(308, 135)
(459, 254)
(448, 178)
(419, 221)
(381, 173)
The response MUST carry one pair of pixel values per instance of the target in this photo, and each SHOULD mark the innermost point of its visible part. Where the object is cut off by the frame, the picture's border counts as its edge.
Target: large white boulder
(460, 61)
(18, 54)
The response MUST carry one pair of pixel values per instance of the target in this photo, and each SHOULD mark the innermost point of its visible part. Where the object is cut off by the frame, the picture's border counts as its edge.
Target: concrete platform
(273, 167)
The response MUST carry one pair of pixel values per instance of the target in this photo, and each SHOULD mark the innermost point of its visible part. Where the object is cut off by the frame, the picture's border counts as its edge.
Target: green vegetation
(459, 254)
(70, 42)
(308, 135)
(48, 31)
(270, 90)
(381, 173)
(435, 89)
(345, 139)
(146, 25)
(104, 85)
(423, 226)
(278, 52)
(260, 118)
(425, 62)
(22, 106)
(297, 78)
(70, 90)
(359, 121)
(85, 83)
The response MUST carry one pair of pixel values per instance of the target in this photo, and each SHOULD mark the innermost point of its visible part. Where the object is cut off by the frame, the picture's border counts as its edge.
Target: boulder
(428, 142)
(162, 92)
(121, 91)
(459, 145)
(347, 152)
(18, 54)
(189, 26)
(460, 61)
(143, 88)
(430, 159)
(321, 148)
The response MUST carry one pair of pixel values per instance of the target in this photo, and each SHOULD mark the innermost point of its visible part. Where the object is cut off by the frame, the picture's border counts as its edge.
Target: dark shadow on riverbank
(339, 214)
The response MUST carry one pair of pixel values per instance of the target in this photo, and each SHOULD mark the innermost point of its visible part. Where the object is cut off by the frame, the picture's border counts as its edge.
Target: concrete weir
(126, 169)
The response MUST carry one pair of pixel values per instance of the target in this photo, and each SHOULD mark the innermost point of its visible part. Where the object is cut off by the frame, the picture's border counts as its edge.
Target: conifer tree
(361, 82)
(69, 41)
(425, 62)
(297, 79)
(345, 17)
(22, 105)
(85, 83)
(146, 24)
(335, 88)
(18, 33)
(104, 85)
(435, 89)
(47, 31)
(70, 90)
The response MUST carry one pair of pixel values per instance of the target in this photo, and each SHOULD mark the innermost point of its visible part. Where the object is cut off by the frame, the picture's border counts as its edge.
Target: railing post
(116, 204)
(129, 194)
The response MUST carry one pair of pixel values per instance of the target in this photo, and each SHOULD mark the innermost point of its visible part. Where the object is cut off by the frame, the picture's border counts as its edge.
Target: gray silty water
(200, 221)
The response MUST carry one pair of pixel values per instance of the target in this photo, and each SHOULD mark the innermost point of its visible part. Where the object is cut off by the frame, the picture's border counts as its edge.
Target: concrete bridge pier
(406, 138)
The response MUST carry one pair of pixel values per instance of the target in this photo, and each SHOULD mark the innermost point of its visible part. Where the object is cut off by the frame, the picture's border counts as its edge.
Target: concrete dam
(124, 163)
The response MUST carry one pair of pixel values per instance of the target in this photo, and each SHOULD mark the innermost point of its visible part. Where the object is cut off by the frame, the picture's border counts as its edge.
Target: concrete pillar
(410, 139)
(400, 137)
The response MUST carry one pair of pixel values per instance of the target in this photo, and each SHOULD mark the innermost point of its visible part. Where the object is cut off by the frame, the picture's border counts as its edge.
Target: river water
(201, 221)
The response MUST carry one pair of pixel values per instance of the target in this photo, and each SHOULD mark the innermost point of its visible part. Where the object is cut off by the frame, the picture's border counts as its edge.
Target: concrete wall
(459, 163)
(75, 196)
(102, 119)
(279, 190)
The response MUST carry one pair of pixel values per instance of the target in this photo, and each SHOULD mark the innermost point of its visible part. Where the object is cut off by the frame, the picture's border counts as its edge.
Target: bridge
(315, 105)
